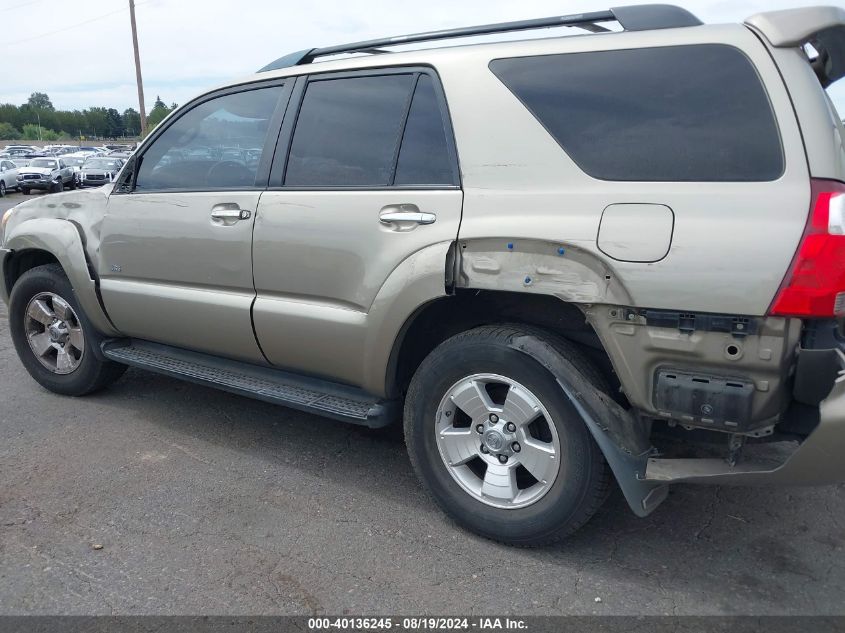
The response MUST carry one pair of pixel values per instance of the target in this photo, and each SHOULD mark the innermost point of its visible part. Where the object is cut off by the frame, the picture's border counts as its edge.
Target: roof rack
(642, 17)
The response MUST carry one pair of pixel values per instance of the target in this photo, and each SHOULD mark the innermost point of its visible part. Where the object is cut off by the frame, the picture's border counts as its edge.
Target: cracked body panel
(563, 270)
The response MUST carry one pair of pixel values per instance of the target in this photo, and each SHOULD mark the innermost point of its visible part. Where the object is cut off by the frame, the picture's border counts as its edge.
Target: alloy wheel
(497, 441)
(54, 333)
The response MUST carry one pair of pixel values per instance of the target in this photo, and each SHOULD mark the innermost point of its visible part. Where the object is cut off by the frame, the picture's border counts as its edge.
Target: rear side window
(424, 157)
(677, 113)
(348, 131)
(370, 131)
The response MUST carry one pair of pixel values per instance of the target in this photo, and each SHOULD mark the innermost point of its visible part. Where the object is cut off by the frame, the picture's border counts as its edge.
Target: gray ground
(206, 502)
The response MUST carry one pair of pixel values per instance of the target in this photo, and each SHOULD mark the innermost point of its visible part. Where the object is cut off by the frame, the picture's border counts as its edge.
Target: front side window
(204, 148)
(677, 113)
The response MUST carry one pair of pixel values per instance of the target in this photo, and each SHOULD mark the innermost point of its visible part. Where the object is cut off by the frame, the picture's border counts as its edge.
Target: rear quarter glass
(676, 113)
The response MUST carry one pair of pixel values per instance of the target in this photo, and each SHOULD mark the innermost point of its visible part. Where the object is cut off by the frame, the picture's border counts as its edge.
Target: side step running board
(263, 383)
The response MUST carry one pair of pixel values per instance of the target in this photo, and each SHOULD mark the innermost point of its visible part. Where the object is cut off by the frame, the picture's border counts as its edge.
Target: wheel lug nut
(494, 418)
(516, 447)
(483, 449)
(503, 459)
(480, 428)
(511, 427)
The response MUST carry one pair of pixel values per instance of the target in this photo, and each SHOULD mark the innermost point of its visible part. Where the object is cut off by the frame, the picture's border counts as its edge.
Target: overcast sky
(80, 51)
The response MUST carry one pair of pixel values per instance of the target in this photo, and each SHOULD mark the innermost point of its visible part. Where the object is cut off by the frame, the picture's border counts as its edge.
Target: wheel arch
(464, 309)
(47, 240)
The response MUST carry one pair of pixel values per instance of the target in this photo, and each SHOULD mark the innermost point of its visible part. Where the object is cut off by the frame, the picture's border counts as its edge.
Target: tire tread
(600, 477)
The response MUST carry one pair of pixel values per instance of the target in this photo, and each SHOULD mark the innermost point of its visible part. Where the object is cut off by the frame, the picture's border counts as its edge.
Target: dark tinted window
(424, 157)
(682, 113)
(215, 145)
(347, 133)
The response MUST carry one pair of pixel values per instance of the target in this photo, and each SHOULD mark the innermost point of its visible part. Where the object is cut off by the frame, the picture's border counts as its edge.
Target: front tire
(496, 441)
(52, 336)
(25, 191)
(58, 186)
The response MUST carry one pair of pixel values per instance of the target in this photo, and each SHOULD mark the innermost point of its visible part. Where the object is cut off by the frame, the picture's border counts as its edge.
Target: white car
(8, 176)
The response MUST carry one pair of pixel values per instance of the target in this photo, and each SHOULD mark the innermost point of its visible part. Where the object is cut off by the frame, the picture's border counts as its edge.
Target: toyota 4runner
(50, 174)
(559, 262)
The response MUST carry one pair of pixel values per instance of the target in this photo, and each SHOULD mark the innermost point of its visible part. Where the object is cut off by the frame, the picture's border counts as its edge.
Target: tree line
(37, 119)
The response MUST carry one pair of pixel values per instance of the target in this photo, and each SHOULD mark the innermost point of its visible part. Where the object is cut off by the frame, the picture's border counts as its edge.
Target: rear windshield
(677, 113)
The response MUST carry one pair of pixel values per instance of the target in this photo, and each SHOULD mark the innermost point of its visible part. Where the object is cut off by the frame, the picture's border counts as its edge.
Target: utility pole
(138, 68)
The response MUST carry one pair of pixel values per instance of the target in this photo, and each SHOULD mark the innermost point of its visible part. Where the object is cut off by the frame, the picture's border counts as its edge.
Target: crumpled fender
(617, 432)
(61, 238)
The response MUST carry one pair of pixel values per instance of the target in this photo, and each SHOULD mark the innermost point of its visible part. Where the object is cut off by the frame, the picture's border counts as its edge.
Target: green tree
(30, 132)
(114, 123)
(92, 122)
(131, 121)
(157, 114)
(96, 122)
(8, 131)
(11, 114)
(40, 101)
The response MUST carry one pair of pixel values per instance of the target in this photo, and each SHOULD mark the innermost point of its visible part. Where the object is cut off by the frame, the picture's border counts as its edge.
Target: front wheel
(52, 336)
(58, 186)
(497, 443)
(25, 191)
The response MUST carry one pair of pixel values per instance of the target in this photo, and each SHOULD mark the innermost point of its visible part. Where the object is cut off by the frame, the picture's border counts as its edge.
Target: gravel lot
(205, 503)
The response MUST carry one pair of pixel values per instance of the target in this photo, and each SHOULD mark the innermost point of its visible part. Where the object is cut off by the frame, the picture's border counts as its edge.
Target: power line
(21, 5)
(72, 26)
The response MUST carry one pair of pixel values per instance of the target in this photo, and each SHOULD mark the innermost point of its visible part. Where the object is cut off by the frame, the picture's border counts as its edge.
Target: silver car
(8, 176)
(97, 171)
(47, 173)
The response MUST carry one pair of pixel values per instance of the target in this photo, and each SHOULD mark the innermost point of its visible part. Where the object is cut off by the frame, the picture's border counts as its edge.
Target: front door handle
(405, 213)
(228, 214)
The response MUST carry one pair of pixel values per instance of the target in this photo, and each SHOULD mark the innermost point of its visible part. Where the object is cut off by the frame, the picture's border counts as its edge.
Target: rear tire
(2, 189)
(526, 501)
(42, 305)
(72, 184)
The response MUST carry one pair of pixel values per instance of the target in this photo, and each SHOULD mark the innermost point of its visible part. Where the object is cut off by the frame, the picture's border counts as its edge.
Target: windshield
(74, 161)
(43, 162)
(99, 163)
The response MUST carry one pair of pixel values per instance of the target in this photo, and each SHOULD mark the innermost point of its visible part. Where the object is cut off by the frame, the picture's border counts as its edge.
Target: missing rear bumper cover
(714, 402)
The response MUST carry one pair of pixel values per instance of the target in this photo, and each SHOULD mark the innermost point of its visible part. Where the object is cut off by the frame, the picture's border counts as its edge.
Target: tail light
(815, 283)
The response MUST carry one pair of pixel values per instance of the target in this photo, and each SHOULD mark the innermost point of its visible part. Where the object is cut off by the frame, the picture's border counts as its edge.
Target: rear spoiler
(821, 27)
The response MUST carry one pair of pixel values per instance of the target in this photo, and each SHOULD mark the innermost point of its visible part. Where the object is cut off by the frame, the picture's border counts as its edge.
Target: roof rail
(642, 17)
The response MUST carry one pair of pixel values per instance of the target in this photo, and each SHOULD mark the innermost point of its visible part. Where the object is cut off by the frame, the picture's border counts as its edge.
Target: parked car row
(54, 173)
(22, 154)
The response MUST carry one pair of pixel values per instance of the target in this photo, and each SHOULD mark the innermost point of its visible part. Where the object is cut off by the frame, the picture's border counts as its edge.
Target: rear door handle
(405, 213)
(228, 214)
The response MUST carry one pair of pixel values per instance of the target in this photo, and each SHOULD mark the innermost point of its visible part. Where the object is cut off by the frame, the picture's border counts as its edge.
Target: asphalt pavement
(162, 497)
